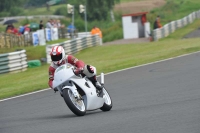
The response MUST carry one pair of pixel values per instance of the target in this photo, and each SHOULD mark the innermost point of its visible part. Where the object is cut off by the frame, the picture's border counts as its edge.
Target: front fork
(73, 89)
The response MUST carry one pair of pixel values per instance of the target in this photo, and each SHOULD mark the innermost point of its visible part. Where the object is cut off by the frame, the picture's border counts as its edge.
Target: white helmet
(57, 55)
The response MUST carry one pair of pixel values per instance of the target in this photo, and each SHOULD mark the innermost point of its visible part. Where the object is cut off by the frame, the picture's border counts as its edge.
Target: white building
(135, 25)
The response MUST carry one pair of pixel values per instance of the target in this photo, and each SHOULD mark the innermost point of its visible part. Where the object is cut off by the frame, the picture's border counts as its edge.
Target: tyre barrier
(13, 62)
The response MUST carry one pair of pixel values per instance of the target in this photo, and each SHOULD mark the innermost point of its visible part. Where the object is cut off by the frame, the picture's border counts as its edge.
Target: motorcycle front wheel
(77, 106)
(108, 101)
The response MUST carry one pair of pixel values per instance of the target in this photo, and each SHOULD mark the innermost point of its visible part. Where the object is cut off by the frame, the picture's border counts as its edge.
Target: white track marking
(23, 95)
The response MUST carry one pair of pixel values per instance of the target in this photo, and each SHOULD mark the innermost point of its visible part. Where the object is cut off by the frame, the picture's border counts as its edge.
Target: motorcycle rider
(58, 58)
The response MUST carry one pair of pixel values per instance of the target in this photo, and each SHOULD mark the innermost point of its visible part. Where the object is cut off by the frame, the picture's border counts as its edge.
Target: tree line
(96, 9)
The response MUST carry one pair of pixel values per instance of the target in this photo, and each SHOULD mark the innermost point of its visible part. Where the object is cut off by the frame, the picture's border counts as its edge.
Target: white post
(102, 78)
(100, 40)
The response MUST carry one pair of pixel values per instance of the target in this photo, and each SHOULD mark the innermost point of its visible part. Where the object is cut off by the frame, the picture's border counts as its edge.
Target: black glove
(78, 71)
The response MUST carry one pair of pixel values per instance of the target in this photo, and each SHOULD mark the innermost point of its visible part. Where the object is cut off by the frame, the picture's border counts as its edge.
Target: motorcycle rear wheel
(76, 106)
(107, 106)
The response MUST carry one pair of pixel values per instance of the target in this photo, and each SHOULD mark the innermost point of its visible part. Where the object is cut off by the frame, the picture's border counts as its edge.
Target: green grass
(115, 57)
(123, 56)
(19, 83)
(32, 52)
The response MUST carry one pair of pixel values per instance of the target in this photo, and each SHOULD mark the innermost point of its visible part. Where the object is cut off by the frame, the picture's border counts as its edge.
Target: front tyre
(76, 106)
(108, 101)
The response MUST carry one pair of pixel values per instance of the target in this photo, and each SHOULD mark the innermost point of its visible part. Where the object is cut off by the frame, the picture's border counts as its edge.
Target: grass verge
(115, 57)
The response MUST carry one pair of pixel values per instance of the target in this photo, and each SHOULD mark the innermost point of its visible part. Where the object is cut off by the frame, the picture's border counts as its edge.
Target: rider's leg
(90, 72)
(96, 82)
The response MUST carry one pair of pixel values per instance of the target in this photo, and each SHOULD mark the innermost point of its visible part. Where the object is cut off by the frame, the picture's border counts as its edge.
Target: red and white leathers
(89, 71)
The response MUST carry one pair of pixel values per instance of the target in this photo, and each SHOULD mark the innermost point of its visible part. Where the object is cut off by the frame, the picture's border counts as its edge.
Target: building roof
(135, 14)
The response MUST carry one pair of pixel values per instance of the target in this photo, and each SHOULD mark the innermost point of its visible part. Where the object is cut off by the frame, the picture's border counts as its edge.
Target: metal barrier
(174, 25)
(75, 45)
(13, 62)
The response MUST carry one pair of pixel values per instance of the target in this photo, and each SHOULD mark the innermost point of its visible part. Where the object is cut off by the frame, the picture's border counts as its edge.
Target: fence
(13, 62)
(174, 25)
(11, 40)
(75, 45)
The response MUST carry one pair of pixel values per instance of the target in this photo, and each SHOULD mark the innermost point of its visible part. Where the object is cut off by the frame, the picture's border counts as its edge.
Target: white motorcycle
(79, 93)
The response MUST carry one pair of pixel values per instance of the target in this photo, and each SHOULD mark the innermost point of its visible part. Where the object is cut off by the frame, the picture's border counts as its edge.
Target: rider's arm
(74, 61)
(51, 76)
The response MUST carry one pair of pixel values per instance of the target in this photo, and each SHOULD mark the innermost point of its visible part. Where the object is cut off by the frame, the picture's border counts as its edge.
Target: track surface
(158, 98)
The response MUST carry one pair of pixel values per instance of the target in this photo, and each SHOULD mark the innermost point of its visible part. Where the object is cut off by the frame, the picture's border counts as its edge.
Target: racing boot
(99, 89)
(98, 86)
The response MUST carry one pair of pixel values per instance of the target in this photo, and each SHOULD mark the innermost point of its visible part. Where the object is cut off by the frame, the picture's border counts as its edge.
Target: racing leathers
(88, 70)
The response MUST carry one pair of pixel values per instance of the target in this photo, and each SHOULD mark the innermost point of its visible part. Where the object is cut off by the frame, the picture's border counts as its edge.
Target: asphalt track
(162, 97)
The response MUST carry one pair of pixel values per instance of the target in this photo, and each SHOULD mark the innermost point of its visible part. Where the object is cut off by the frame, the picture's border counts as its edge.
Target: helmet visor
(56, 57)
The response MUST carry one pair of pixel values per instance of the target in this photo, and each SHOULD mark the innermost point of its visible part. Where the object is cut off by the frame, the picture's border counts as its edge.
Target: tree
(96, 9)
(100, 9)
(36, 3)
(6, 5)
